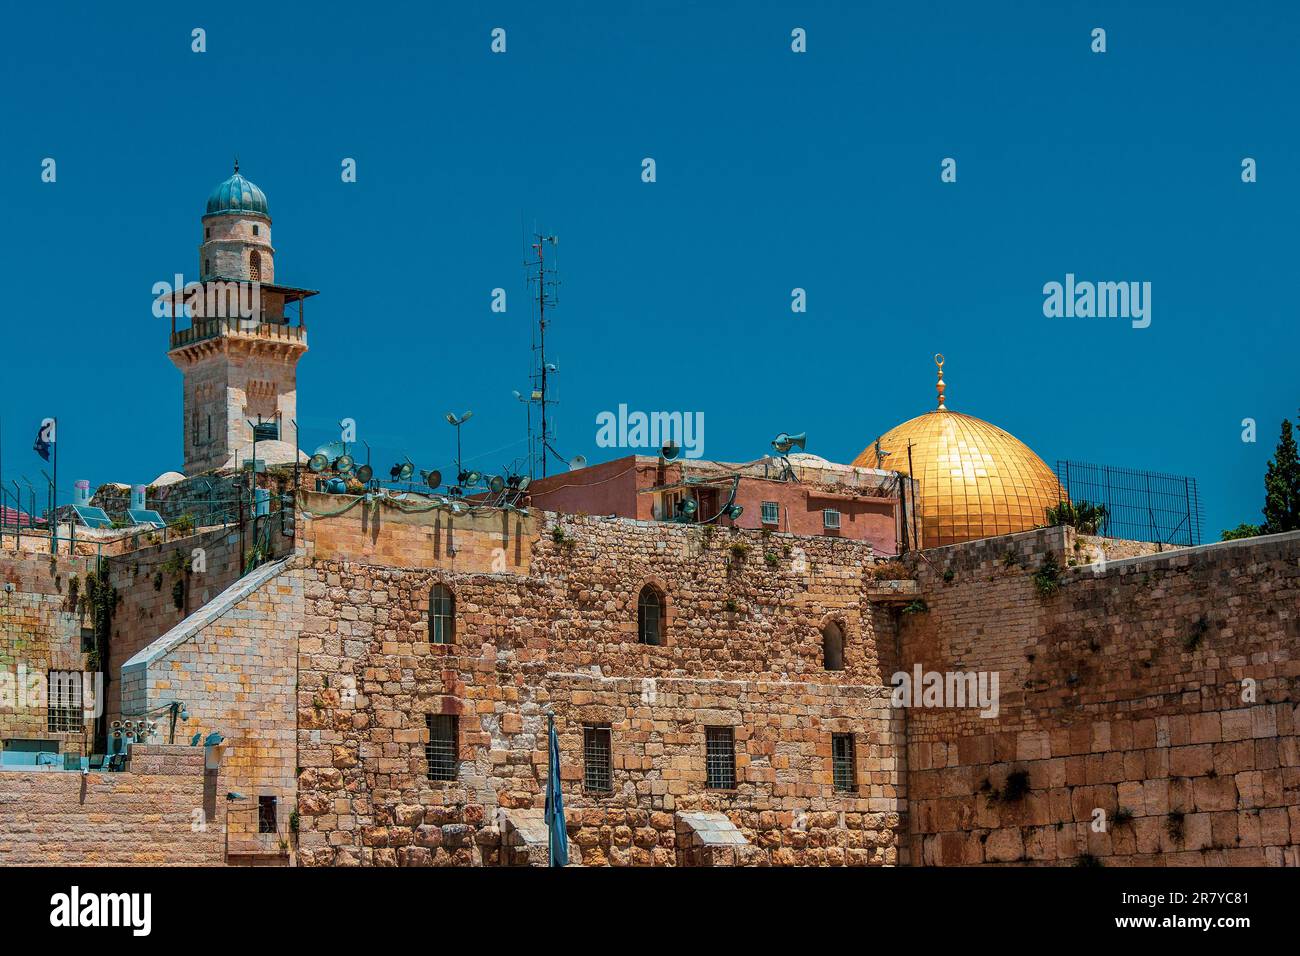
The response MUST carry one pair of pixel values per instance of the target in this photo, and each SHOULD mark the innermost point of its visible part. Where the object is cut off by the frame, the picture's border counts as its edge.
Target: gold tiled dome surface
(976, 479)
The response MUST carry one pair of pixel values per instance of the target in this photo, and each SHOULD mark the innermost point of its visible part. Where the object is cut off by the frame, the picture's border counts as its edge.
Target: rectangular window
(266, 815)
(844, 763)
(831, 519)
(87, 640)
(719, 758)
(442, 615)
(442, 752)
(771, 512)
(597, 759)
(668, 503)
(63, 703)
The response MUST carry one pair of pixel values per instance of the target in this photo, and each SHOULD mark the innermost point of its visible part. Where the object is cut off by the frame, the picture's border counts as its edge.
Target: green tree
(1242, 530)
(1282, 486)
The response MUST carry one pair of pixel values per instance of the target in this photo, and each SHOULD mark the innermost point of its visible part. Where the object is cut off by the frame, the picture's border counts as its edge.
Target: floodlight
(496, 484)
(318, 462)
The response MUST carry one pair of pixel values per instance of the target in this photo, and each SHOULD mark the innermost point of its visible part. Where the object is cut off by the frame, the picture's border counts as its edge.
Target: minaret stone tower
(240, 353)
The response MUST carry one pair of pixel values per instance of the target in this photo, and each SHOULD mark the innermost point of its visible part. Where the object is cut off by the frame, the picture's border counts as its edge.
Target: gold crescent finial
(938, 361)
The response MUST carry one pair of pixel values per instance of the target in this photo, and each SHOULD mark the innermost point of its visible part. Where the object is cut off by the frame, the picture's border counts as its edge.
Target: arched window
(832, 647)
(650, 616)
(255, 266)
(442, 615)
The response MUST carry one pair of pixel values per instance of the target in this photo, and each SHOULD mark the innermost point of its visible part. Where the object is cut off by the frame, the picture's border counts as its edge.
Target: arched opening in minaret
(255, 266)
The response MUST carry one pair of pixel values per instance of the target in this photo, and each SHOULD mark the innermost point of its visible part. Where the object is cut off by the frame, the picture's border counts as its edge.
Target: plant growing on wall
(1174, 824)
(1048, 577)
(102, 598)
(916, 607)
(1197, 634)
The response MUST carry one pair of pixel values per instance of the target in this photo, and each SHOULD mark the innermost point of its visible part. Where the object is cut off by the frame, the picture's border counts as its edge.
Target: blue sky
(775, 171)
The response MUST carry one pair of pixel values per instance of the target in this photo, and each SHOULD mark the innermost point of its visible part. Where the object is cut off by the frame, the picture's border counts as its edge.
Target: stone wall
(232, 665)
(546, 612)
(42, 612)
(150, 815)
(1123, 690)
(158, 586)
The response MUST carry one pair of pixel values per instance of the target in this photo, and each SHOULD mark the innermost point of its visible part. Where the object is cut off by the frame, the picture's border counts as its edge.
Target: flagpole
(54, 494)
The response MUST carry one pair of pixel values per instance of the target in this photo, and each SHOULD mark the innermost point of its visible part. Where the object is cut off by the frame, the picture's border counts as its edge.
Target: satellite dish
(496, 484)
(433, 479)
(579, 461)
(670, 451)
(318, 462)
(365, 473)
(344, 464)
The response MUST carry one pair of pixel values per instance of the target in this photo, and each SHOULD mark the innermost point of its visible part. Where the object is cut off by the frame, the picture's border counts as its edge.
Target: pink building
(810, 497)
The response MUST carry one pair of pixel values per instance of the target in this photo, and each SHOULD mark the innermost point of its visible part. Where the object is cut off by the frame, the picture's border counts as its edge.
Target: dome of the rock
(976, 480)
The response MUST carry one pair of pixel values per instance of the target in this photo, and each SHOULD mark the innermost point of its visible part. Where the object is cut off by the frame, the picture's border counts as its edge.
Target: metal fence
(1140, 505)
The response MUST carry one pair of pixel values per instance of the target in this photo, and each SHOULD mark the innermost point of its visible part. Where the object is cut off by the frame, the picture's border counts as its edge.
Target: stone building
(240, 350)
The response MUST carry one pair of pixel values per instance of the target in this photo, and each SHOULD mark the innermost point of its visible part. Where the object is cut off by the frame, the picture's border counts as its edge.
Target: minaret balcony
(273, 329)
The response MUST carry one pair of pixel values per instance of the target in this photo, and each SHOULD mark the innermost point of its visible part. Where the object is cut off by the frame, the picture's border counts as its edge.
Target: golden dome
(976, 480)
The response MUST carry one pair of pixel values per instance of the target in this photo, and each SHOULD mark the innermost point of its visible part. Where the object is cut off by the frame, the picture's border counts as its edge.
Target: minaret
(240, 352)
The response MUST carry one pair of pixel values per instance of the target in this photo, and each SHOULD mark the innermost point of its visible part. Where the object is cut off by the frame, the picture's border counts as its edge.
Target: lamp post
(456, 423)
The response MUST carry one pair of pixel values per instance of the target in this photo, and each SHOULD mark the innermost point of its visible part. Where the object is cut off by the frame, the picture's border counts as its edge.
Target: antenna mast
(547, 282)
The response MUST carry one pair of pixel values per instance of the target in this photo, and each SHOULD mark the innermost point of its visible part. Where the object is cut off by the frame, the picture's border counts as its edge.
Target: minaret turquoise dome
(237, 195)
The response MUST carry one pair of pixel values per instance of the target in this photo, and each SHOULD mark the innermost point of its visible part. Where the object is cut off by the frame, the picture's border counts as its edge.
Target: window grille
(65, 714)
(771, 512)
(597, 759)
(844, 763)
(720, 758)
(441, 752)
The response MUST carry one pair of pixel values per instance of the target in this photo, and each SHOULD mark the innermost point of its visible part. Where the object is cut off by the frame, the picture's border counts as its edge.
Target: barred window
(832, 647)
(266, 815)
(442, 752)
(597, 759)
(831, 519)
(650, 616)
(719, 758)
(442, 615)
(844, 763)
(64, 710)
(771, 512)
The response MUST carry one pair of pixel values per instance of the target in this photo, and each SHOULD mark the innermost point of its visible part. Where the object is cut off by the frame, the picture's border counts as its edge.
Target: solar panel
(93, 517)
(142, 516)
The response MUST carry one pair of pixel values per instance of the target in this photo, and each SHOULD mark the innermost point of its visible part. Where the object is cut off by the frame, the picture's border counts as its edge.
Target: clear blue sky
(775, 170)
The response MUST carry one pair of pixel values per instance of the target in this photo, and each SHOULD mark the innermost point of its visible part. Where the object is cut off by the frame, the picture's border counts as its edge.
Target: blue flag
(44, 439)
(557, 838)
